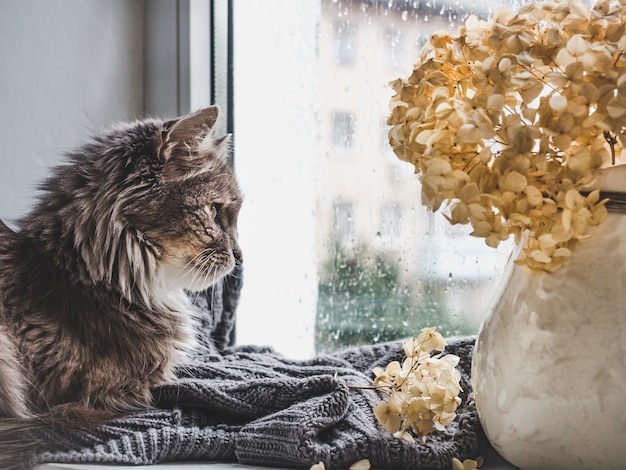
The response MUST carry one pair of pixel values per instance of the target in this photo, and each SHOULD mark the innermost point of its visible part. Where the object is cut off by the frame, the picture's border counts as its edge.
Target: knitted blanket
(253, 406)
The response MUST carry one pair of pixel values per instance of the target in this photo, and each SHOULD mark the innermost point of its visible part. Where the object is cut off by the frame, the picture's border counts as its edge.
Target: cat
(94, 309)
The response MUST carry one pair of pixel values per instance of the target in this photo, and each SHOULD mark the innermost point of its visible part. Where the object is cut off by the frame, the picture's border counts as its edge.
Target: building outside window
(391, 221)
(343, 126)
(345, 42)
(343, 222)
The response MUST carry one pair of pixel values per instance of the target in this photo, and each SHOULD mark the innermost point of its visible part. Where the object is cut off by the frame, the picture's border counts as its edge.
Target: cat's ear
(187, 132)
(195, 126)
(187, 146)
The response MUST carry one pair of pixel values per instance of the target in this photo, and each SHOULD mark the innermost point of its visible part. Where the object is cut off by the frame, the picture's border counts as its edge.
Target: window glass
(342, 129)
(339, 251)
(345, 43)
(391, 221)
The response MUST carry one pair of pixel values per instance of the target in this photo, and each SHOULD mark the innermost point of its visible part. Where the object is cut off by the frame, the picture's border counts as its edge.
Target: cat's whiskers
(203, 269)
(194, 268)
(187, 269)
(213, 276)
(207, 273)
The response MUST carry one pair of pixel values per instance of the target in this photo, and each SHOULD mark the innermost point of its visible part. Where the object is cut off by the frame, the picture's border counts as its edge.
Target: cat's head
(196, 221)
(148, 206)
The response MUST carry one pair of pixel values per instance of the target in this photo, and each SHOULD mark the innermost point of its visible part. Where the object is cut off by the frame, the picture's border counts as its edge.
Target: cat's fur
(93, 310)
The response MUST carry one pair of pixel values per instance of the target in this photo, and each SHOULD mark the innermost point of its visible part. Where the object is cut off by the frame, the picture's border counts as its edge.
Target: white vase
(549, 367)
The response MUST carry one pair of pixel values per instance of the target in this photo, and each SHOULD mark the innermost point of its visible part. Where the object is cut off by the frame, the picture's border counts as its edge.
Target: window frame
(189, 58)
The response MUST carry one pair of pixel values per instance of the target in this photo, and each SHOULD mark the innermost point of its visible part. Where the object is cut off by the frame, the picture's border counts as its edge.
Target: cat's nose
(238, 254)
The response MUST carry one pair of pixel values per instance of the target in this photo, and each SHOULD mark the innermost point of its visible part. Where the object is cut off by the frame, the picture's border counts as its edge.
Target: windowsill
(164, 466)
(494, 462)
(197, 466)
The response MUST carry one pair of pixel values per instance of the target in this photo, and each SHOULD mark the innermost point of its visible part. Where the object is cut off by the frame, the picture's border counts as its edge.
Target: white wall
(67, 67)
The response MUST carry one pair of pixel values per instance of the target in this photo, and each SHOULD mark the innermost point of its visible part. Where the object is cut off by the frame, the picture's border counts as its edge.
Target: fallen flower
(422, 391)
(361, 465)
(467, 464)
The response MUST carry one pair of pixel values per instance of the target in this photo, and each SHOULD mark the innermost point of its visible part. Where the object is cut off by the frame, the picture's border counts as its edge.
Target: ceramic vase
(549, 367)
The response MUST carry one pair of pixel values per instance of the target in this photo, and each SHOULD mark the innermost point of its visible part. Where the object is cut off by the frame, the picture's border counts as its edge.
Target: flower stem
(612, 141)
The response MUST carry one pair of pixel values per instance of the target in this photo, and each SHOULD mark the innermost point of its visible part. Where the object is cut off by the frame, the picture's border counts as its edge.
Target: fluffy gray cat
(93, 309)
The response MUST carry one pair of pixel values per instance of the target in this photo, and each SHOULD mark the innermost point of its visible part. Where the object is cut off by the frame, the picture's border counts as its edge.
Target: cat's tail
(23, 439)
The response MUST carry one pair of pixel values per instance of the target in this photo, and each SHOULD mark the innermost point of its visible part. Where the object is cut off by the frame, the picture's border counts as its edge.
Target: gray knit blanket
(253, 406)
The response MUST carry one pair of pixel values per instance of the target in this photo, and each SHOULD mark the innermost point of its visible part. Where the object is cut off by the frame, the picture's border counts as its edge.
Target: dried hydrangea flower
(467, 464)
(363, 464)
(508, 121)
(422, 391)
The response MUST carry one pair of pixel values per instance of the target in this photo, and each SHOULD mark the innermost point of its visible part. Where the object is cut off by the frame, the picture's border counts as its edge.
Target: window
(391, 221)
(340, 251)
(343, 222)
(345, 42)
(343, 129)
(393, 41)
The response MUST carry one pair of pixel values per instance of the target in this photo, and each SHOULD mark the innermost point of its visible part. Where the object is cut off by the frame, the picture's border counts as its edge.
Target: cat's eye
(212, 209)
